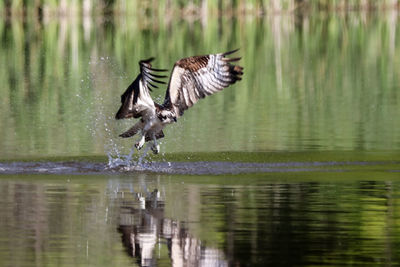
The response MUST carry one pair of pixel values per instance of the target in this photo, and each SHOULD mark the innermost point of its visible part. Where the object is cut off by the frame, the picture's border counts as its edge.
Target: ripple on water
(196, 168)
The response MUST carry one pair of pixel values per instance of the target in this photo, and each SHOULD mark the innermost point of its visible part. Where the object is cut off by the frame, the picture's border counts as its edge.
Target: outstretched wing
(195, 77)
(136, 100)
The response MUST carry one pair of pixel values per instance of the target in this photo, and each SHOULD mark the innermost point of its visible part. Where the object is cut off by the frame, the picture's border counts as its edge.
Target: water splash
(117, 160)
(100, 109)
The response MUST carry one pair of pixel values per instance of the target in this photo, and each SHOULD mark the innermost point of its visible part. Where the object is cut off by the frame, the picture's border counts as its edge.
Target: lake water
(297, 164)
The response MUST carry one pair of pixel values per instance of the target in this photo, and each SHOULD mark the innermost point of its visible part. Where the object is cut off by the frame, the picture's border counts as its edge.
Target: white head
(167, 116)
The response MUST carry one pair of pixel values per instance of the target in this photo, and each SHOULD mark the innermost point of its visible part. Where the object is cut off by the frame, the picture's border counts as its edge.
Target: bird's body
(191, 79)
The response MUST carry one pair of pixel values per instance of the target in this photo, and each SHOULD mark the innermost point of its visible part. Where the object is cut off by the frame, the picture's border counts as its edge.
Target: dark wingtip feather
(125, 135)
(226, 59)
(230, 52)
(149, 77)
(237, 68)
(146, 60)
(153, 69)
(158, 76)
(150, 73)
(158, 81)
(152, 85)
(152, 77)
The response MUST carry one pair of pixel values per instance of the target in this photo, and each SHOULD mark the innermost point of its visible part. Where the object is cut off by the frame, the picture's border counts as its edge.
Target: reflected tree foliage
(145, 229)
(312, 82)
(308, 223)
(193, 8)
(157, 220)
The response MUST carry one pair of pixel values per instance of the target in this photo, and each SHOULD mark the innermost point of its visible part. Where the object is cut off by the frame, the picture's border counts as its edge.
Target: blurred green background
(191, 7)
(318, 75)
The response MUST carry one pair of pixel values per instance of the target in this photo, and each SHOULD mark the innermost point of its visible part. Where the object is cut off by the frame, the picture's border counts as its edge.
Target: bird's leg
(140, 143)
(142, 140)
(155, 147)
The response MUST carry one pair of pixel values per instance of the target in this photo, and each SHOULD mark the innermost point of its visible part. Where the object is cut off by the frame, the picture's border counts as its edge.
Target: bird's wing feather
(195, 77)
(136, 100)
(149, 78)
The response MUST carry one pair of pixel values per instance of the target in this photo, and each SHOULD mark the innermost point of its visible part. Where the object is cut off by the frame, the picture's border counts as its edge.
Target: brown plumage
(195, 77)
(191, 79)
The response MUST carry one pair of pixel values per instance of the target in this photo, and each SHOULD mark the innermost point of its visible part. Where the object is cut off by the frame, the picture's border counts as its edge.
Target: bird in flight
(191, 79)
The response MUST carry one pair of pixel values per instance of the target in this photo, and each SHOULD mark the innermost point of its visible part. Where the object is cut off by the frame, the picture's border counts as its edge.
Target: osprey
(191, 79)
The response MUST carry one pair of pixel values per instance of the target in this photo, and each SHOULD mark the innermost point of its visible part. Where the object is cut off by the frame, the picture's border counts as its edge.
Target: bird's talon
(155, 149)
(138, 146)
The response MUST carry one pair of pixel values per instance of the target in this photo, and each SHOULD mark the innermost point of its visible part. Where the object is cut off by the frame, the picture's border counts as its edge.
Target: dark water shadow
(193, 168)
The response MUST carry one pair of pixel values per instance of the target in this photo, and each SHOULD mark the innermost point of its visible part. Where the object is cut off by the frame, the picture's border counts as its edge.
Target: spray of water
(117, 160)
(103, 126)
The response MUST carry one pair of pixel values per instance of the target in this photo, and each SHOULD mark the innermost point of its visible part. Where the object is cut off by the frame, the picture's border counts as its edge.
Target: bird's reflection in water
(145, 230)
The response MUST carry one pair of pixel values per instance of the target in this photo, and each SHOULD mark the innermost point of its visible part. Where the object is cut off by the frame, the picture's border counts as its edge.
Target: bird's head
(167, 116)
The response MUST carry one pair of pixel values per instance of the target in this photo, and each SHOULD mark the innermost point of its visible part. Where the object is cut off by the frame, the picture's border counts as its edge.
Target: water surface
(290, 218)
(298, 164)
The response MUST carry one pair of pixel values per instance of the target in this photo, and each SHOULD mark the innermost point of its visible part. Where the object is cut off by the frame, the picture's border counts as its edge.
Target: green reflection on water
(292, 218)
(316, 82)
